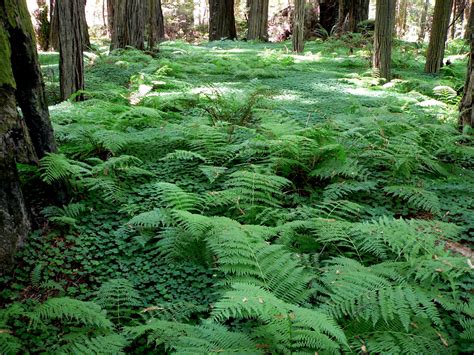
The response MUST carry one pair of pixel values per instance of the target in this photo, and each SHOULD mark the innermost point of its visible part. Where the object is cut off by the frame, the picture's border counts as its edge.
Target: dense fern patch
(235, 197)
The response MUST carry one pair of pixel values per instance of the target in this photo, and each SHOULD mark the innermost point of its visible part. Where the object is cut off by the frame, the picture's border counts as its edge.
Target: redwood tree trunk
(71, 61)
(86, 42)
(342, 16)
(402, 17)
(258, 20)
(466, 112)
(384, 25)
(21, 139)
(221, 20)
(298, 26)
(469, 23)
(438, 36)
(328, 13)
(358, 11)
(156, 25)
(424, 16)
(128, 24)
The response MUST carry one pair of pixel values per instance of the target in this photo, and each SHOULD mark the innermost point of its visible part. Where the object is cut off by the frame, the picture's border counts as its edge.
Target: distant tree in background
(466, 117)
(81, 13)
(86, 42)
(401, 17)
(221, 20)
(23, 138)
(43, 25)
(127, 20)
(438, 35)
(298, 26)
(469, 22)
(343, 13)
(156, 24)
(70, 34)
(358, 11)
(384, 26)
(423, 21)
(258, 20)
(328, 14)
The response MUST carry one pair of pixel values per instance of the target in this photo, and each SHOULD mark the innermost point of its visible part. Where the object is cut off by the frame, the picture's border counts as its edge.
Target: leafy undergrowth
(234, 197)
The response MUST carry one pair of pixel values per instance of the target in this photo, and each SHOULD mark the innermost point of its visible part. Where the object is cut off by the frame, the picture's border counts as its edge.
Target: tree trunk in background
(110, 18)
(298, 26)
(128, 24)
(328, 13)
(466, 112)
(402, 17)
(21, 139)
(384, 26)
(358, 11)
(71, 61)
(469, 22)
(424, 16)
(54, 35)
(258, 20)
(86, 42)
(156, 25)
(342, 17)
(438, 36)
(221, 20)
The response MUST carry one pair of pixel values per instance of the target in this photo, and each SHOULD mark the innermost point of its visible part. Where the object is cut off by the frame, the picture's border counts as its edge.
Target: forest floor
(259, 135)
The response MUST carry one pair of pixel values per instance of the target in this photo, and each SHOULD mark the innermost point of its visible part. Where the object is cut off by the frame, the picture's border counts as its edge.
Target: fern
(119, 298)
(67, 215)
(105, 344)
(56, 168)
(417, 197)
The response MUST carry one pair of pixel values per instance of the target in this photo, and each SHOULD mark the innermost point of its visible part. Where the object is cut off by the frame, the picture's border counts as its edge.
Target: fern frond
(118, 297)
(56, 168)
(417, 197)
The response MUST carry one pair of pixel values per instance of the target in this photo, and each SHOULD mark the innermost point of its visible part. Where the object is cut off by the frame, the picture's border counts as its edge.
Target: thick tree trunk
(424, 16)
(298, 26)
(328, 13)
(71, 61)
(221, 20)
(384, 25)
(438, 36)
(342, 17)
(21, 139)
(156, 25)
(466, 117)
(258, 20)
(86, 42)
(128, 24)
(358, 11)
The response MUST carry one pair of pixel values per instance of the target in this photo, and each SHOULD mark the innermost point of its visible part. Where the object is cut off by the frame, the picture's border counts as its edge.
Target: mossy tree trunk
(438, 36)
(22, 139)
(466, 112)
(298, 26)
(384, 26)
(328, 14)
(221, 20)
(71, 61)
(424, 17)
(156, 24)
(358, 11)
(258, 20)
(128, 23)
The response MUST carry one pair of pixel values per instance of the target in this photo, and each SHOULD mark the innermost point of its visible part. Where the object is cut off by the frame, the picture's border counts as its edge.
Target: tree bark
(438, 36)
(86, 42)
(128, 24)
(298, 26)
(342, 17)
(402, 17)
(424, 16)
(21, 139)
(54, 34)
(71, 61)
(358, 11)
(156, 25)
(258, 20)
(328, 13)
(469, 23)
(384, 25)
(466, 117)
(221, 20)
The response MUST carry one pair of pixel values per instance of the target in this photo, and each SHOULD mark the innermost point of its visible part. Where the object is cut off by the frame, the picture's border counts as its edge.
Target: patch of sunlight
(432, 103)
(286, 97)
(209, 90)
(308, 57)
(138, 95)
(361, 91)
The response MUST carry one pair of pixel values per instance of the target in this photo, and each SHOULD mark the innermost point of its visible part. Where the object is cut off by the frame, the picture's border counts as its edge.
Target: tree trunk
(298, 26)
(71, 61)
(424, 16)
(156, 25)
(110, 18)
(358, 11)
(328, 12)
(342, 17)
(86, 42)
(21, 139)
(128, 24)
(402, 17)
(258, 20)
(221, 20)
(384, 25)
(466, 117)
(469, 23)
(438, 36)
(54, 34)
